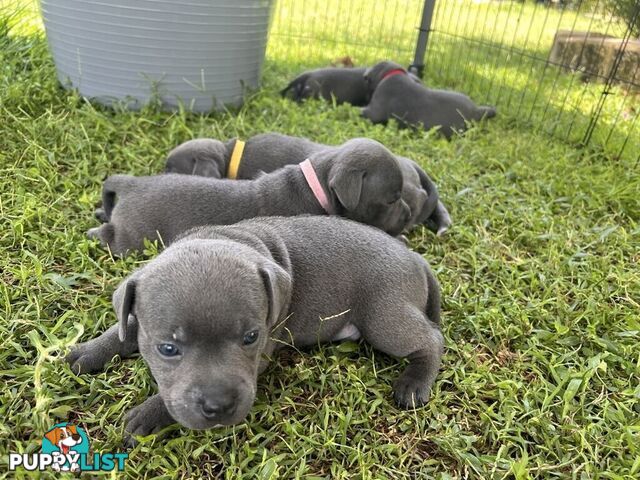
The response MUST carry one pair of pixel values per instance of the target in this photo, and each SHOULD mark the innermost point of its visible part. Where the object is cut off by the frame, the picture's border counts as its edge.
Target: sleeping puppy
(210, 311)
(346, 85)
(360, 180)
(395, 95)
(270, 151)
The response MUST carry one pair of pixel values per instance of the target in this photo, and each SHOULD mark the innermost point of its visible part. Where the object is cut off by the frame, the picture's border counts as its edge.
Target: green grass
(540, 280)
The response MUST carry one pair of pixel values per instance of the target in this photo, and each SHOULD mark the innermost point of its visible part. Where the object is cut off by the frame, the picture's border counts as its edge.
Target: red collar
(395, 71)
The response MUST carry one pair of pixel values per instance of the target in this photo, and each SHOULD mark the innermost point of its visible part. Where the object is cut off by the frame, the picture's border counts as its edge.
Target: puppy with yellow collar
(267, 152)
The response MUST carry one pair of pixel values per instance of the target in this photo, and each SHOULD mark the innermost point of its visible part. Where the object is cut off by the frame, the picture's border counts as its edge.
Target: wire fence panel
(537, 61)
(553, 66)
(318, 32)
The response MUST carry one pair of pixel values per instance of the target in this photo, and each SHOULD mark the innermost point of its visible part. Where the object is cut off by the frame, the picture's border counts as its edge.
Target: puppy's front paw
(147, 418)
(84, 358)
(411, 391)
(101, 215)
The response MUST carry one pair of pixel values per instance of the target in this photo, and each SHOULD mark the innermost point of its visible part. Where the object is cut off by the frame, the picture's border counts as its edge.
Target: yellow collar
(236, 156)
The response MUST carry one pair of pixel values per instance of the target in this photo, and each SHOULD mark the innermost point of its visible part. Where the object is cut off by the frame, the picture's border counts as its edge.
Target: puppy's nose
(218, 407)
(76, 436)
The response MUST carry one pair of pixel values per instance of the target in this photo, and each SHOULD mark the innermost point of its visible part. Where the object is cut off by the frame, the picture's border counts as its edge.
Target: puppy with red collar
(395, 95)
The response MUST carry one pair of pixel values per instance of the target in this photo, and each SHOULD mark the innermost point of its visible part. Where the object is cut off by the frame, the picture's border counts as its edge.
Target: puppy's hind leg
(408, 333)
(374, 114)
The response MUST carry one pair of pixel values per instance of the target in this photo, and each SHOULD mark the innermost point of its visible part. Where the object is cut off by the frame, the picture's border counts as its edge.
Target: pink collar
(395, 71)
(315, 186)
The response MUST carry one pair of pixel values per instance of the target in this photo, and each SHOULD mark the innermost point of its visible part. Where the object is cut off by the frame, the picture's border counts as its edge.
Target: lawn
(540, 281)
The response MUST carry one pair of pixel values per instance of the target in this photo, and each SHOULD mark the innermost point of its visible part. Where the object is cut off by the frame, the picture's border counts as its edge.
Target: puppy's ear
(277, 283)
(205, 167)
(346, 183)
(123, 301)
(210, 159)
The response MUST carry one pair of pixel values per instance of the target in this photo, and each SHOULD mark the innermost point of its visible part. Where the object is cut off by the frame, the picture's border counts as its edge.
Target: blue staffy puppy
(267, 152)
(360, 180)
(211, 309)
(346, 85)
(396, 95)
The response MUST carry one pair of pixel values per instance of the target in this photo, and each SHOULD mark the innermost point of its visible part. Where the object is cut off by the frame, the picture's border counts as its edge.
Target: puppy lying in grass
(395, 95)
(346, 85)
(211, 309)
(360, 180)
(270, 151)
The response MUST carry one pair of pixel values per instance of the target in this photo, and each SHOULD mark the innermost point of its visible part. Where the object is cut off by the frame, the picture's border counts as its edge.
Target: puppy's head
(204, 310)
(365, 179)
(201, 156)
(373, 75)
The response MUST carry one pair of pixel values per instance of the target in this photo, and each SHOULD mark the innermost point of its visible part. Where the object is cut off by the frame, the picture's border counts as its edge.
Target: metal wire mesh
(318, 32)
(498, 52)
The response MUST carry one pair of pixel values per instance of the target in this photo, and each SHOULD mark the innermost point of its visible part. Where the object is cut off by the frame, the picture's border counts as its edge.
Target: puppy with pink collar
(361, 180)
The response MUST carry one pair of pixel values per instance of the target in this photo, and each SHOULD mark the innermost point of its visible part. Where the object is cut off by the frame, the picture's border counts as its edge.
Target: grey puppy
(346, 85)
(210, 310)
(398, 96)
(361, 179)
(270, 151)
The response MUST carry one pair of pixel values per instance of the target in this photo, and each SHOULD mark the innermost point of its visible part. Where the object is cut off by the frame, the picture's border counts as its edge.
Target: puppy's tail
(433, 297)
(297, 87)
(486, 111)
(110, 189)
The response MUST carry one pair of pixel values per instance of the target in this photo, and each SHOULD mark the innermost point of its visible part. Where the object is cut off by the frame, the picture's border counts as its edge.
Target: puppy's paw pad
(82, 360)
(139, 421)
(147, 418)
(410, 393)
(94, 233)
(442, 230)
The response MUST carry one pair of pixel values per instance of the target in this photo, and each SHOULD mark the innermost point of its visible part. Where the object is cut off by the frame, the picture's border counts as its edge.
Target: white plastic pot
(203, 53)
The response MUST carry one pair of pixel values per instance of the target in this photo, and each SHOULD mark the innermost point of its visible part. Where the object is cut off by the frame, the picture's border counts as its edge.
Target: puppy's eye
(250, 337)
(168, 350)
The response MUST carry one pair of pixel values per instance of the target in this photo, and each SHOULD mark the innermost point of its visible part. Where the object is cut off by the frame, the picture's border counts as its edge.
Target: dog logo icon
(66, 442)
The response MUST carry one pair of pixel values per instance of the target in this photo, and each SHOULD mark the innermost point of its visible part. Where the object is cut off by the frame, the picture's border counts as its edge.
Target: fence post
(417, 67)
